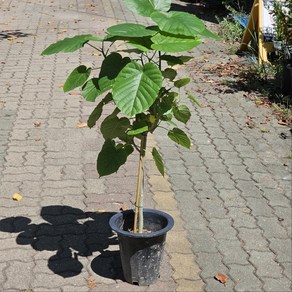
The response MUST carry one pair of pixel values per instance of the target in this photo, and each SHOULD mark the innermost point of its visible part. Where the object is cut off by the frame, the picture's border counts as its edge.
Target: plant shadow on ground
(206, 10)
(7, 34)
(72, 233)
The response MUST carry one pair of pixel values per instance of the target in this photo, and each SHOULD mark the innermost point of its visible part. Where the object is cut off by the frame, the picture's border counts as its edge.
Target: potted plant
(144, 92)
(282, 14)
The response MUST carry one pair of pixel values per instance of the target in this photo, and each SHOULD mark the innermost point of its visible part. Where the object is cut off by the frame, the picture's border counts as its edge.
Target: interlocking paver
(253, 239)
(230, 194)
(245, 278)
(265, 264)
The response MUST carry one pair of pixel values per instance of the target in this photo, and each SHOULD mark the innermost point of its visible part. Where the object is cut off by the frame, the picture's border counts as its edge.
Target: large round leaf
(147, 7)
(130, 30)
(168, 43)
(180, 23)
(136, 87)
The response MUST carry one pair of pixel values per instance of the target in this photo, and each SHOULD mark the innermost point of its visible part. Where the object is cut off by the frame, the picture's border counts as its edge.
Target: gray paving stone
(211, 264)
(265, 180)
(265, 264)
(208, 151)
(239, 172)
(282, 248)
(222, 229)
(276, 197)
(285, 218)
(245, 278)
(231, 158)
(202, 240)
(213, 207)
(253, 239)
(192, 159)
(198, 173)
(242, 218)
(281, 284)
(288, 270)
(232, 252)
(232, 198)
(223, 181)
(248, 188)
(181, 182)
(271, 227)
(23, 280)
(215, 165)
(259, 206)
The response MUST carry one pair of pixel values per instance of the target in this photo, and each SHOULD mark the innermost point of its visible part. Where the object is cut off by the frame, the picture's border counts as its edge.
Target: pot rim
(170, 223)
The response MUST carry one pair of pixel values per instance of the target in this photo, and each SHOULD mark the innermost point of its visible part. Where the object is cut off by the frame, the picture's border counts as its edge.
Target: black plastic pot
(141, 253)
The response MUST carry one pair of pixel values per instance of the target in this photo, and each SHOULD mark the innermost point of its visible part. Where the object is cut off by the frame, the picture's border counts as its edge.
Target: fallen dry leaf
(250, 124)
(74, 93)
(81, 125)
(37, 124)
(11, 38)
(221, 278)
(17, 197)
(283, 122)
(62, 31)
(91, 285)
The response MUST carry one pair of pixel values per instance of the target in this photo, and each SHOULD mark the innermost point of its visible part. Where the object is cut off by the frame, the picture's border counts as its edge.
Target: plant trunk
(138, 219)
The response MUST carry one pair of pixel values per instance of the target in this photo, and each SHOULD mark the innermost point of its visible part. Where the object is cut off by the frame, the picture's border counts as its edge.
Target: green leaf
(179, 136)
(194, 100)
(181, 82)
(143, 44)
(145, 8)
(110, 158)
(169, 73)
(136, 87)
(96, 113)
(175, 60)
(167, 103)
(182, 113)
(77, 78)
(128, 149)
(139, 127)
(130, 30)
(70, 44)
(112, 65)
(95, 87)
(114, 127)
(178, 23)
(158, 160)
(207, 33)
(165, 42)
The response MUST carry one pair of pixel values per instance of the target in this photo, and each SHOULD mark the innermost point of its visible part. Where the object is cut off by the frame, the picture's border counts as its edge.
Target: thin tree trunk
(138, 219)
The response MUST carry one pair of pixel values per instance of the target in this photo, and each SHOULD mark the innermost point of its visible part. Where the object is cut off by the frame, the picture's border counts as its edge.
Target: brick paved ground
(230, 195)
